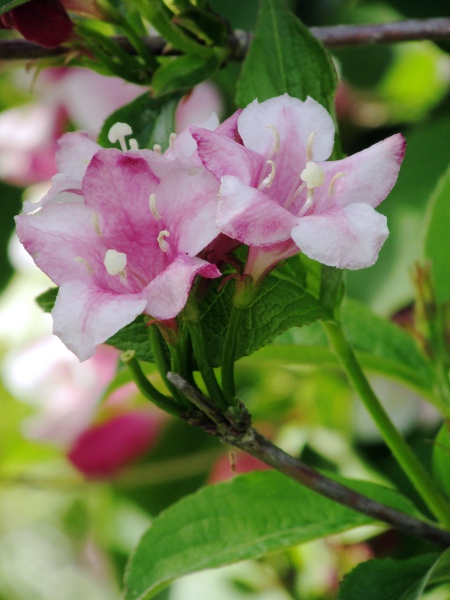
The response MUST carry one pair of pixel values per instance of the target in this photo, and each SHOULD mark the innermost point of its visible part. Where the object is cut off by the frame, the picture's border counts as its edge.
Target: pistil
(115, 262)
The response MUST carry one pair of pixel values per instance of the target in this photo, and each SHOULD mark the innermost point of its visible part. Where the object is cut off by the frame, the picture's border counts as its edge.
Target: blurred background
(85, 462)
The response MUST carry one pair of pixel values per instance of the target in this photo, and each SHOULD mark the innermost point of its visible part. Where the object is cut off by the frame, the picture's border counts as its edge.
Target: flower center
(115, 262)
(118, 133)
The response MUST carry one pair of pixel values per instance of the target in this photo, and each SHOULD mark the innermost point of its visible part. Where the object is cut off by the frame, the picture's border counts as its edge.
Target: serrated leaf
(246, 518)
(285, 58)
(380, 346)
(441, 458)
(133, 337)
(437, 247)
(385, 578)
(184, 72)
(151, 119)
(6, 5)
(298, 293)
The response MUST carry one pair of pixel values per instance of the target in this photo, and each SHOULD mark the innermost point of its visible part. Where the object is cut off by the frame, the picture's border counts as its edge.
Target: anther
(152, 204)
(96, 225)
(115, 262)
(84, 262)
(309, 153)
(313, 175)
(172, 138)
(133, 144)
(332, 182)
(118, 132)
(267, 181)
(157, 149)
(161, 241)
(276, 135)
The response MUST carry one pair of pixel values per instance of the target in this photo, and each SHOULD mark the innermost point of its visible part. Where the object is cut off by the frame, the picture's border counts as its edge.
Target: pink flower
(105, 448)
(128, 246)
(279, 196)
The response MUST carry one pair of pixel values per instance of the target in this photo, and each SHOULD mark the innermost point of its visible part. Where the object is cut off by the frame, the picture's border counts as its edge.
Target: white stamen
(118, 132)
(332, 182)
(309, 153)
(161, 241)
(313, 175)
(84, 262)
(152, 204)
(133, 144)
(115, 262)
(309, 202)
(96, 224)
(157, 149)
(297, 192)
(172, 138)
(267, 181)
(276, 135)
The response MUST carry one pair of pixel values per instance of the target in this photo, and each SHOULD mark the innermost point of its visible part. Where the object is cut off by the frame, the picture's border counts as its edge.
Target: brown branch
(234, 428)
(334, 36)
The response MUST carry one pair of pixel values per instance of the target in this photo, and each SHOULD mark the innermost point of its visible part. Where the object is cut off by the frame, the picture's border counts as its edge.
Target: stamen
(172, 138)
(118, 132)
(115, 262)
(332, 182)
(84, 262)
(157, 149)
(309, 154)
(133, 144)
(309, 202)
(267, 181)
(152, 204)
(313, 175)
(291, 199)
(276, 135)
(96, 224)
(161, 241)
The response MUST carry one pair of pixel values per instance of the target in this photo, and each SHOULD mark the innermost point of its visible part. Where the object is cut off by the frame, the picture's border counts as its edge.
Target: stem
(258, 446)
(162, 362)
(145, 387)
(229, 353)
(402, 452)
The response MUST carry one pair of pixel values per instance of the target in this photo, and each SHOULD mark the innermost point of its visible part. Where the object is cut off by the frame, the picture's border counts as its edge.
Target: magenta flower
(127, 246)
(279, 196)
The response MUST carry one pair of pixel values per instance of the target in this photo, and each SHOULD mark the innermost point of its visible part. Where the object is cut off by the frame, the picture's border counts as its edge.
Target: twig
(252, 442)
(334, 36)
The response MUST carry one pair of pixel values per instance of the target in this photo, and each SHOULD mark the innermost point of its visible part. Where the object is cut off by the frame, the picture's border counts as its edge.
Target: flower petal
(167, 294)
(368, 177)
(248, 215)
(348, 238)
(223, 156)
(85, 315)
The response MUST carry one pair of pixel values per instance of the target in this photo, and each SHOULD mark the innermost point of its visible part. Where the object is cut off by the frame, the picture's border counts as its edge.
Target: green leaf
(285, 58)
(133, 337)
(210, 28)
(436, 246)
(246, 518)
(161, 19)
(184, 72)
(385, 578)
(380, 346)
(47, 299)
(438, 573)
(300, 292)
(11, 204)
(441, 458)
(6, 5)
(151, 119)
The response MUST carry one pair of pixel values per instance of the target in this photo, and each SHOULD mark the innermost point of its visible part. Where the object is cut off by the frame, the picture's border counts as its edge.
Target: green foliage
(381, 346)
(436, 237)
(47, 299)
(6, 5)
(11, 203)
(284, 57)
(386, 578)
(184, 72)
(297, 293)
(246, 518)
(151, 119)
(441, 458)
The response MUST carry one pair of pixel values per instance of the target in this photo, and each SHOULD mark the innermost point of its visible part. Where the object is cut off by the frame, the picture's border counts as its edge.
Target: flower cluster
(122, 231)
